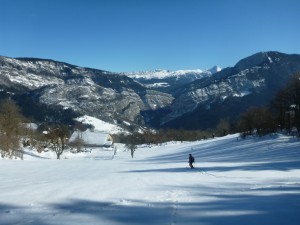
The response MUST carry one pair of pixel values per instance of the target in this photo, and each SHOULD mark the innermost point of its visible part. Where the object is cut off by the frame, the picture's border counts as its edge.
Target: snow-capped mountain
(163, 74)
(165, 80)
(215, 69)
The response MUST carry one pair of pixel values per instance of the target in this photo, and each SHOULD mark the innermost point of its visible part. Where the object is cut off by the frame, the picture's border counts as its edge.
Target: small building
(91, 139)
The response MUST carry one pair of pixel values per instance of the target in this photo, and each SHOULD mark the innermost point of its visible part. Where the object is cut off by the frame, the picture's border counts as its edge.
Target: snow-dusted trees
(10, 129)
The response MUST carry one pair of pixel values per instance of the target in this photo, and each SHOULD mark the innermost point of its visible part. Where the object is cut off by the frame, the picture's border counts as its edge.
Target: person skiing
(191, 161)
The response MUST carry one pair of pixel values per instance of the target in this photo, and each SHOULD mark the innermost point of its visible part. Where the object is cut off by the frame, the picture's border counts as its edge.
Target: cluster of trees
(287, 105)
(258, 120)
(283, 113)
(157, 137)
(14, 132)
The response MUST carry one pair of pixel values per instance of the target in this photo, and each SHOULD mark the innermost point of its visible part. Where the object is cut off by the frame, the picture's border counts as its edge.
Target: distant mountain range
(163, 74)
(48, 90)
(166, 80)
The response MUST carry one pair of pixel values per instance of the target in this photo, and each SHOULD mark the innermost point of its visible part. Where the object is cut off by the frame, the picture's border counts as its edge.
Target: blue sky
(134, 35)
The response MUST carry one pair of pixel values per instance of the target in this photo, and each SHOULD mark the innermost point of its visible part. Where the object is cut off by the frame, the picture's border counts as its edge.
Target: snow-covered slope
(100, 125)
(252, 181)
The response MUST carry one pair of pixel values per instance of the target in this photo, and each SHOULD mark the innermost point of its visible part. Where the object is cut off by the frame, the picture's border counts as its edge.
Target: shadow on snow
(226, 209)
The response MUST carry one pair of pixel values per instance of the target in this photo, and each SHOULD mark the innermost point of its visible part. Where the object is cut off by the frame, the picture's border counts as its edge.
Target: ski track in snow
(234, 182)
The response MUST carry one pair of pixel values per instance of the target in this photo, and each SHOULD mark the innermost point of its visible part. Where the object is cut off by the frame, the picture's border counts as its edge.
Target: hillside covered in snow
(236, 181)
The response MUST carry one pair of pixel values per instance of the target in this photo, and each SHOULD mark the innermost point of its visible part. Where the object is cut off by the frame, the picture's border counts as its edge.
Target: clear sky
(135, 35)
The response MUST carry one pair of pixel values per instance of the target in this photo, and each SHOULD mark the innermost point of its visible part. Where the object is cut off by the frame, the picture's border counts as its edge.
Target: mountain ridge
(105, 95)
(190, 102)
(253, 81)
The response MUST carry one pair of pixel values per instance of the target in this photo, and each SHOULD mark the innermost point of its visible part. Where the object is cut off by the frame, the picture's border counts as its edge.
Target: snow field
(252, 181)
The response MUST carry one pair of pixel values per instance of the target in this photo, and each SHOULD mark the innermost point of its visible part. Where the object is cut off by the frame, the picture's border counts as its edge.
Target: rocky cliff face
(97, 93)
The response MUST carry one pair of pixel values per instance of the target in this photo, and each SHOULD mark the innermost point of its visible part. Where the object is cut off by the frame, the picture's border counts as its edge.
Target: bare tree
(223, 127)
(132, 147)
(79, 142)
(132, 141)
(10, 129)
(57, 137)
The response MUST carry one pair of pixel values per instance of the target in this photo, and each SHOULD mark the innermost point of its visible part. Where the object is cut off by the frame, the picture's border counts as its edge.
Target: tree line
(283, 113)
(15, 132)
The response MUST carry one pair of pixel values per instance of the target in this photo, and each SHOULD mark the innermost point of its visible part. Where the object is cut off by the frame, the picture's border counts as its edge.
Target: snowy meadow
(236, 181)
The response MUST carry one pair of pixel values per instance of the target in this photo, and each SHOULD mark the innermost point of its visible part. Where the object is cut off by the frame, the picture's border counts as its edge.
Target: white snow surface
(236, 181)
(100, 125)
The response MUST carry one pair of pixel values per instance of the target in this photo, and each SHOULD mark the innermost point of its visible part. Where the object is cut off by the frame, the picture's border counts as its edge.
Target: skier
(191, 161)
